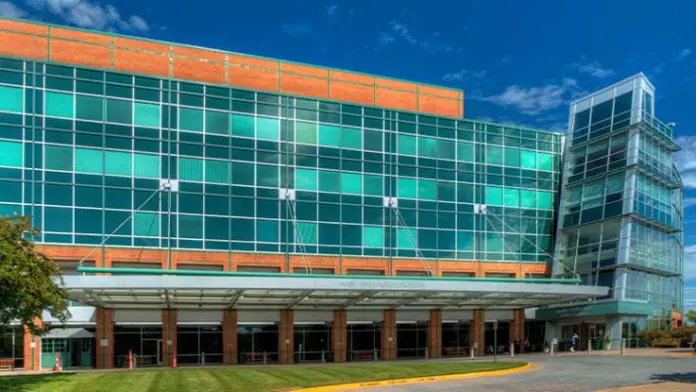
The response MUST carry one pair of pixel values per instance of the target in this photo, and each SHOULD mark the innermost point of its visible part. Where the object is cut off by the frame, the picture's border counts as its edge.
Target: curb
(417, 380)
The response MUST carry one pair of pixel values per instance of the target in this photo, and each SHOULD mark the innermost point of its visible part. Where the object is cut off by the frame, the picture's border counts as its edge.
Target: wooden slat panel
(22, 45)
(253, 78)
(306, 86)
(79, 53)
(144, 63)
(350, 92)
(395, 99)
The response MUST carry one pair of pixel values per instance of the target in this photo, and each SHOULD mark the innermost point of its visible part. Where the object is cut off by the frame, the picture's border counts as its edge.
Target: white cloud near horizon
(81, 13)
(537, 99)
(594, 69)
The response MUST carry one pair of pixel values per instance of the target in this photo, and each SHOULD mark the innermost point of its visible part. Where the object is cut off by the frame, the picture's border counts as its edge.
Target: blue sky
(516, 63)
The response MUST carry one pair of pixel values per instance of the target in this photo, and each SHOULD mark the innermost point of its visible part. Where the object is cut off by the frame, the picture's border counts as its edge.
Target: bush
(676, 338)
(666, 343)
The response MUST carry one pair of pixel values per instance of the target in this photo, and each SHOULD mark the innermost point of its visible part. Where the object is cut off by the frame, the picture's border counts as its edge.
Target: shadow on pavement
(30, 382)
(689, 377)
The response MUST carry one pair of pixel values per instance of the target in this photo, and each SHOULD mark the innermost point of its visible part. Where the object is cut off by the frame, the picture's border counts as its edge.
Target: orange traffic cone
(57, 367)
(173, 361)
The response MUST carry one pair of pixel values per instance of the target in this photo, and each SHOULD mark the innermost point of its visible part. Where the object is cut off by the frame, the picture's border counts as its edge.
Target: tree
(29, 281)
(691, 316)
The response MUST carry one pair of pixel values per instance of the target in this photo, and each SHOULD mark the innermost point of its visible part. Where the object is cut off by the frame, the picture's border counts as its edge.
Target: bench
(7, 364)
(255, 358)
(455, 351)
(363, 355)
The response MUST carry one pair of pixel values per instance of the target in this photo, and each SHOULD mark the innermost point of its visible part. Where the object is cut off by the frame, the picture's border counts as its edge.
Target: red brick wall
(229, 336)
(286, 337)
(388, 340)
(169, 319)
(339, 335)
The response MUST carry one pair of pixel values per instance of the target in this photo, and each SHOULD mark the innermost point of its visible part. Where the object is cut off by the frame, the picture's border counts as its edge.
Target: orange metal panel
(253, 78)
(79, 54)
(246, 61)
(304, 70)
(199, 71)
(199, 54)
(143, 63)
(352, 77)
(302, 85)
(74, 35)
(440, 92)
(21, 45)
(395, 99)
(439, 106)
(350, 92)
(23, 27)
(395, 84)
(134, 44)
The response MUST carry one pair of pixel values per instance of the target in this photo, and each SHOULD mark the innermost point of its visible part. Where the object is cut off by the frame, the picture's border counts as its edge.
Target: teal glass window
(351, 183)
(351, 138)
(147, 166)
(59, 104)
(544, 161)
(190, 169)
(329, 181)
(89, 108)
(191, 119)
(545, 200)
(243, 173)
(306, 179)
(217, 122)
(58, 158)
(329, 136)
(147, 115)
(146, 224)
(373, 185)
(267, 175)
(405, 238)
(427, 147)
(118, 111)
(512, 156)
(217, 171)
(494, 155)
(268, 128)
(118, 163)
(89, 161)
(306, 233)
(494, 195)
(528, 159)
(446, 149)
(465, 151)
(373, 237)
(306, 132)
(242, 125)
(406, 145)
(58, 219)
(465, 240)
(494, 243)
(527, 198)
(10, 154)
(407, 188)
(511, 197)
(266, 230)
(190, 226)
(427, 189)
(11, 99)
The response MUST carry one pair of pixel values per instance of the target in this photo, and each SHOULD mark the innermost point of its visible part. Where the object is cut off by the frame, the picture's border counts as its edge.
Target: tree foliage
(691, 316)
(29, 281)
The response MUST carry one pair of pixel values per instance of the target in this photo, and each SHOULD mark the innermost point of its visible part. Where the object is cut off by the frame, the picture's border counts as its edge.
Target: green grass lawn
(236, 378)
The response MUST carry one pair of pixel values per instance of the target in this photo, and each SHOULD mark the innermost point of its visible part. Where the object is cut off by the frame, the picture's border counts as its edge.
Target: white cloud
(595, 69)
(332, 10)
(464, 74)
(9, 10)
(91, 15)
(535, 100)
(689, 202)
(432, 45)
(685, 160)
(683, 54)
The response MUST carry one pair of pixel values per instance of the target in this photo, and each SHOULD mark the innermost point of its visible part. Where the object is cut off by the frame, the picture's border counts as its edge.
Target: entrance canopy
(181, 289)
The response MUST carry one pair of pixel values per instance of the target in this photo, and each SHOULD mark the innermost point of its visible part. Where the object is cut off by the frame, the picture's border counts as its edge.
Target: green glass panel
(191, 119)
(58, 158)
(147, 166)
(465, 151)
(242, 125)
(351, 138)
(446, 149)
(118, 163)
(465, 240)
(494, 243)
(58, 219)
(545, 200)
(11, 99)
(494, 196)
(266, 231)
(494, 155)
(427, 189)
(329, 136)
(406, 187)
(268, 128)
(190, 226)
(427, 147)
(351, 183)
(10, 154)
(147, 115)
(373, 237)
(89, 161)
(511, 197)
(528, 198)
(407, 145)
(544, 161)
(306, 179)
(373, 185)
(217, 171)
(89, 108)
(190, 169)
(405, 239)
(306, 233)
(118, 111)
(528, 159)
(512, 156)
(329, 181)
(306, 132)
(217, 122)
(243, 173)
(60, 104)
(146, 224)
(267, 175)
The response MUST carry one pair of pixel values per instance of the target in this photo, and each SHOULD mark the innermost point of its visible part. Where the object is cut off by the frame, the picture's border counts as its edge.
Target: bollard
(135, 361)
(265, 358)
(512, 350)
(589, 347)
(471, 352)
(203, 359)
(426, 353)
(375, 354)
(323, 357)
(623, 346)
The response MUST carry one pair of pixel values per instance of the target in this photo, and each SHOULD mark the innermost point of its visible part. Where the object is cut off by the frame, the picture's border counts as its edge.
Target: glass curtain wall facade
(83, 152)
(621, 214)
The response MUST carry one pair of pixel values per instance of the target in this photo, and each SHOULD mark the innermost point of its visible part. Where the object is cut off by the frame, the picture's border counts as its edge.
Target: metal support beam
(304, 295)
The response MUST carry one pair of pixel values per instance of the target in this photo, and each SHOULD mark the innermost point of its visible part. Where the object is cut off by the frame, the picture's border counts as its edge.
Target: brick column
(517, 329)
(388, 340)
(434, 333)
(339, 336)
(286, 337)
(477, 336)
(105, 338)
(229, 336)
(168, 337)
(32, 355)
